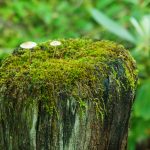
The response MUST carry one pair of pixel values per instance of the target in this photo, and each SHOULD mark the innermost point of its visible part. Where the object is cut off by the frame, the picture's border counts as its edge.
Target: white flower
(55, 43)
(28, 45)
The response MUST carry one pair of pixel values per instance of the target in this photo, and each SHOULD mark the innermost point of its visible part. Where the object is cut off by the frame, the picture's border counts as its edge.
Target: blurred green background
(124, 21)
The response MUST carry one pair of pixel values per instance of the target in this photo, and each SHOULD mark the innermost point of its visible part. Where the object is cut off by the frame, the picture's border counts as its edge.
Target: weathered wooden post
(67, 95)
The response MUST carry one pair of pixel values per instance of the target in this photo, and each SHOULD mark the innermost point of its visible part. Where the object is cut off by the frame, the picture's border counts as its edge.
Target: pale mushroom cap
(55, 43)
(28, 45)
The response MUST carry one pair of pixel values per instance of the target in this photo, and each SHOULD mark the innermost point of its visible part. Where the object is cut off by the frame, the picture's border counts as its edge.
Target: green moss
(77, 68)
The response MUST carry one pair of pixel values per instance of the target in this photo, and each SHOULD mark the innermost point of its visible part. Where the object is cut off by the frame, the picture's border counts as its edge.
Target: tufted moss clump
(79, 69)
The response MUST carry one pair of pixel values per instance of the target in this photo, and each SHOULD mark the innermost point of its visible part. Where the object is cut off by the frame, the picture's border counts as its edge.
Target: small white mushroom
(28, 45)
(55, 43)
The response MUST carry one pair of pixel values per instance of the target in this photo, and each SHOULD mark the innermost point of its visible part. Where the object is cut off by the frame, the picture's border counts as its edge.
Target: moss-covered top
(77, 67)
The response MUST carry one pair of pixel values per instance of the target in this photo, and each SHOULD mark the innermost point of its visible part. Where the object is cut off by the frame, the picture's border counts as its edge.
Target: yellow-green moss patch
(77, 68)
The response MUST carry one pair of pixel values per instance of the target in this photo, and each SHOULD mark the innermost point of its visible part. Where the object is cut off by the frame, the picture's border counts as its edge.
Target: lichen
(77, 68)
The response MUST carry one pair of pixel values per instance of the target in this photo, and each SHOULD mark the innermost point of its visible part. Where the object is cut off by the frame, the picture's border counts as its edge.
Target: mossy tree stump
(73, 96)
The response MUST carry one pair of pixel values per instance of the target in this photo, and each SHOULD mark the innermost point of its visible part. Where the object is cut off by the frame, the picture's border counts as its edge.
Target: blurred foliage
(124, 21)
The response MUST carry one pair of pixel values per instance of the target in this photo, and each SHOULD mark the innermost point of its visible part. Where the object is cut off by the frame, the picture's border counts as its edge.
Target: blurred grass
(124, 21)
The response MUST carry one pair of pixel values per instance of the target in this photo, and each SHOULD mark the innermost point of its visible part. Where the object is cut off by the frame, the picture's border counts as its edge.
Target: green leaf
(111, 25)
(104, 4)
(137, 26)
(4, 53)
(142, 102)
(139, 131)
